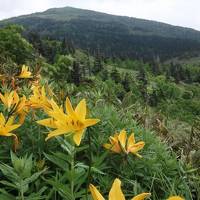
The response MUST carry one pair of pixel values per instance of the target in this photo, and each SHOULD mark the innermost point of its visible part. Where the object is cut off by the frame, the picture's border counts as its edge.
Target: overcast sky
(177, 12)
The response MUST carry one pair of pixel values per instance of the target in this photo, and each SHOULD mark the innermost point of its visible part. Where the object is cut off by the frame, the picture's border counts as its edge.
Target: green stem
(22, 196)
(72, 173)
(21, 192)
(90, 163)
(10, 114)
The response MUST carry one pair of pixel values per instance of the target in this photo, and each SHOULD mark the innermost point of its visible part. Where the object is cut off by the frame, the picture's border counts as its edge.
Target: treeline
(168, 88)
(114, 38)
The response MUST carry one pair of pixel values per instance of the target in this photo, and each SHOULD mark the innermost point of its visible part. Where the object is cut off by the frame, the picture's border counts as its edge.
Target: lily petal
(81, 110)
(2, 119)
(10, 121)
(91, 122)
(131, 141)
(122, 139)
(57, 132)
(12, 127)
(69, 108)
(47, 122)
(136, 147)
(78, 136)
(107, 146)
(116, 192)
(141, 196)
(95, 193)
(175, 198)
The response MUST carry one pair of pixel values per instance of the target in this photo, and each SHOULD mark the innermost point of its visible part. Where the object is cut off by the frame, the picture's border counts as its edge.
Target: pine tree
(115, 75)
(175, 72)
(143, 83)
(67, 46)
(188, 76)
(71, 47)
(153, 99)
(64, 47)
(98, 66)
(156, 65)
(75, 74)
(35, 39)
(104, 74)
(126, 82)
(88, 67)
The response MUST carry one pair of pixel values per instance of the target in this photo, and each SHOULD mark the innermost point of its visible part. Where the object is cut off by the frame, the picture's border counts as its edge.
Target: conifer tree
(188, 76)
(89, 73)
(156, 66)
(76, 75)
(126, 82)
(153, 99)
(143, 83)
(98, 66)
(104, 74)
(115, 75)
(67, 46)
(71, 47)
(64, 47)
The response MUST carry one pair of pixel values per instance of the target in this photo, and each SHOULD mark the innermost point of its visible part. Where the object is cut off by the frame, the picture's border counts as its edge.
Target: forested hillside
(116, 36)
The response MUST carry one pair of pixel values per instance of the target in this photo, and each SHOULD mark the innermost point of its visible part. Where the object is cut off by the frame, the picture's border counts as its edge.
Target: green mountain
(115, 36)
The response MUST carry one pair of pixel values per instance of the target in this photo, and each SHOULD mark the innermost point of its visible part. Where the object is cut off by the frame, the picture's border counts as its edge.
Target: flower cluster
(117, 194)
(65, 120)
(17, 79)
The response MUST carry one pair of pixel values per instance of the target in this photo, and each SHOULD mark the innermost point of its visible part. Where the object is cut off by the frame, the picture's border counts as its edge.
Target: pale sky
(176, 12)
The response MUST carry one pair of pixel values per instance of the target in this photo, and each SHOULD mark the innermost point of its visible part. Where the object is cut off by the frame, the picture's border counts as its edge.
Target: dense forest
(141, 82)
(116, 36)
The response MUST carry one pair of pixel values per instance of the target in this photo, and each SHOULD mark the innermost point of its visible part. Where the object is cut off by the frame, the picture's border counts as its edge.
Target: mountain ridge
(100, 12)
(90, 29)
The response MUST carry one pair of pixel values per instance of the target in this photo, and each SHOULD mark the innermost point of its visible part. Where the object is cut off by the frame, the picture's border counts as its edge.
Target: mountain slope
(114, 35)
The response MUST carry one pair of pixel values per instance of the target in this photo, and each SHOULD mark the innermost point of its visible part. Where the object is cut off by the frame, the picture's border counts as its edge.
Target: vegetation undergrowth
(127, 127)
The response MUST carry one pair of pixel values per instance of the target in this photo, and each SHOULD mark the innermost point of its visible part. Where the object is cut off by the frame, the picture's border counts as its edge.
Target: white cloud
(177, 12)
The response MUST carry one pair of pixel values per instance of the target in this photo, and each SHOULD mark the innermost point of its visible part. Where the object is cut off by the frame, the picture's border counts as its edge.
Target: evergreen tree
(75, 74)
(188, 76)
(71, 47)
(153, 99)
(156, 66)
(175, 72)
(98, 66)
(115, 75)
(67, 46)
(64, 47)
(104, 74)
(126, 82)
(35, 39)
(88, 67)
(143, 83)
(168, 74)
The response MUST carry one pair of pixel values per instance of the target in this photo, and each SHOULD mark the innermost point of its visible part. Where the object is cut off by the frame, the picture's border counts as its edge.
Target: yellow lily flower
(119, 143)
(7, 126)
(175, 198)
(114, 144)
(39, 98)
(115, 193)
(13, 101)
(25, 73)
(73, 122)
(77, 119)
(8, 99)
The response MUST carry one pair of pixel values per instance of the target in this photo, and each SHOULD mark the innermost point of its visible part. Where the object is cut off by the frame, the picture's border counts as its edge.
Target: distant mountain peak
(115, 35)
